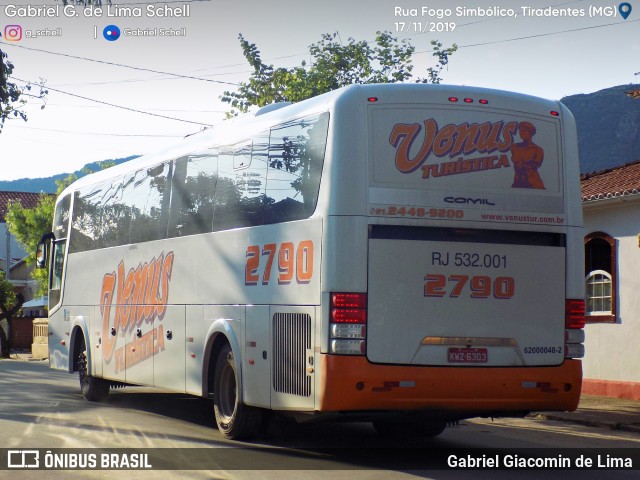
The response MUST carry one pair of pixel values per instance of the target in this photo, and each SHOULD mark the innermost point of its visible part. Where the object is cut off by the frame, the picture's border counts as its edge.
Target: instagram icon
(13, 33)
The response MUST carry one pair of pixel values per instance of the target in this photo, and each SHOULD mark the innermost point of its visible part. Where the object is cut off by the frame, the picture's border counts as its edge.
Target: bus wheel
(92, 388)
(235, 420)
(409, 428)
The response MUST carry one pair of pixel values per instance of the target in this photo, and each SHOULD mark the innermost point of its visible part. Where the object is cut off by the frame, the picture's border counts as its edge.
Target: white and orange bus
(409, 255)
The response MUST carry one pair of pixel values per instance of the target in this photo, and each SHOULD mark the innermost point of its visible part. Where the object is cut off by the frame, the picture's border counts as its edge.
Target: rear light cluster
(348, 324)
(574, 319)
(482, 101)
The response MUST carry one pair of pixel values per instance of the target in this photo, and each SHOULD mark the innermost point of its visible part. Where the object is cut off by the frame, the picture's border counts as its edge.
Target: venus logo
(111, 33)
(138, 295)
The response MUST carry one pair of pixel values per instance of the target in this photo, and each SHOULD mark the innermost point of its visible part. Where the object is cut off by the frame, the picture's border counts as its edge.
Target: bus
(407, 255)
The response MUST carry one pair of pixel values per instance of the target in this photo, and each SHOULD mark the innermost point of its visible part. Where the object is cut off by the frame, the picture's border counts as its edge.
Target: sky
(139, 94)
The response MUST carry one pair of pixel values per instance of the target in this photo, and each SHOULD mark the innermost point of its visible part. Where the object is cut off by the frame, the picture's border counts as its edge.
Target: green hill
(608, 123)
(48, 184)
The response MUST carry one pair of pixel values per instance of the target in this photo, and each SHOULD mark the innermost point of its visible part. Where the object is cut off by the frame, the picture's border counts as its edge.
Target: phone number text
(420, 212)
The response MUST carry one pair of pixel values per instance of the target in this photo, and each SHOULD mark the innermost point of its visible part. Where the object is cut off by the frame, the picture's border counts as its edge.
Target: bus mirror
(41, 255)
(42, 250)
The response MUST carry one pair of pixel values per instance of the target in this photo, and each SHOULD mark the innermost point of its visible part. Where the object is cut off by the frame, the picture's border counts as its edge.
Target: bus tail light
(574, 314)
(348, 315)
(348, 324)
(574, 321)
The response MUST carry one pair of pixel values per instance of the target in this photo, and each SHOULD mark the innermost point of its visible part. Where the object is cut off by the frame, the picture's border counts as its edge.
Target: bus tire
(235, 420)
(92, 388)
(410, 428)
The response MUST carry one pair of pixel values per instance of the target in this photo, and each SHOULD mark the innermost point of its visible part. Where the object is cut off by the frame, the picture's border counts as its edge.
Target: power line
(120, 106)
(146, 79)
(538, 35)
(114, 64)
(99, 133)
(49, 104)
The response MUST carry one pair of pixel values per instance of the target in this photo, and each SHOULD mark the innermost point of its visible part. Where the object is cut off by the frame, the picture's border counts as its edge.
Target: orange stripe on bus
(352, 383)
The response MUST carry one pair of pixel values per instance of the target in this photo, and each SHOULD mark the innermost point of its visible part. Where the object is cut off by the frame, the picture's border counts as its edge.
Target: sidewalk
(593, 411)
(604, 412)
(25, 357)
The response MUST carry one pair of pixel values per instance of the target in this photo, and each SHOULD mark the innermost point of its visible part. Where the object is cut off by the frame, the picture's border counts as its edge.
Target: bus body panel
(143, 289)
(354, 384)
(478, 292)
(258, 356)
(451, 302)
(196, 329)
(467, 161)
(169, 349)
(575, 262)
(269, 264)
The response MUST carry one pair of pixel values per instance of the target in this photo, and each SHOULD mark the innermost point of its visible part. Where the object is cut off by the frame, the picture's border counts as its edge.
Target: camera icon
(13, 33)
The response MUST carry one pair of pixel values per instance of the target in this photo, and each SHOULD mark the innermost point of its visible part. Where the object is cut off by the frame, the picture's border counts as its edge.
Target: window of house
(600, 277)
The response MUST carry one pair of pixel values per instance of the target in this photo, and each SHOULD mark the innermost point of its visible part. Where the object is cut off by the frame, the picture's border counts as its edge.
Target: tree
(12, 97)
(10, 303)
(29, 224)
(333, 65)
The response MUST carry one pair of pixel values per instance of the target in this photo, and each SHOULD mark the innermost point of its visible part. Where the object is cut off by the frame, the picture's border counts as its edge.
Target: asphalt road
(42, 409)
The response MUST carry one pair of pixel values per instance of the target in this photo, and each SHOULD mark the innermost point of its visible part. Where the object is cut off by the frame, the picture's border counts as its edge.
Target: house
(611, 207)
(17, 272)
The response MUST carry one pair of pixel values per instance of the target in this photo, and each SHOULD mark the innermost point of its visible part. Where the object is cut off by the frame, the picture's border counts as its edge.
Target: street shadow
(32, 394)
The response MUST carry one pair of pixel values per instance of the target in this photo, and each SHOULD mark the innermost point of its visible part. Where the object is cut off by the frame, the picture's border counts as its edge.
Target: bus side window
(193, 194)
(296, 157)
(57, 268)
(240, 192)
(58, 263)
(87, 226)
(145, 198)
(61, 229)
(115, 216)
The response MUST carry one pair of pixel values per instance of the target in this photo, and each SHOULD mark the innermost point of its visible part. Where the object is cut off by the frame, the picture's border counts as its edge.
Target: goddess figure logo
(527, 158)
(491, 139)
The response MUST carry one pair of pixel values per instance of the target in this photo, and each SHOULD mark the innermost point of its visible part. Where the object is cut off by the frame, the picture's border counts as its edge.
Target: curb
(23, 357)
(621, 427)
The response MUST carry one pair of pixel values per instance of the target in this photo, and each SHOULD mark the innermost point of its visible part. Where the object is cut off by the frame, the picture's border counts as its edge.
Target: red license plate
(468, 355)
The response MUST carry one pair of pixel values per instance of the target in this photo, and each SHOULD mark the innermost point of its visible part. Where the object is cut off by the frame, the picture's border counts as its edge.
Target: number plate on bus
(468, 355)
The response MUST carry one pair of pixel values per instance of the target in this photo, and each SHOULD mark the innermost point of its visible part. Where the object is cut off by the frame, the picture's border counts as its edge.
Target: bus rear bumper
(354, 384)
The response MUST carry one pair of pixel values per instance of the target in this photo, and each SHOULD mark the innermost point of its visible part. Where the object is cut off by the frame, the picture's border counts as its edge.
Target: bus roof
(232, 131)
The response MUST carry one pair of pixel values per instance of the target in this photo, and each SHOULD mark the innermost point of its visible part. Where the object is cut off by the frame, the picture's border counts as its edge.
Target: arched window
(600, 277)
(598, 285)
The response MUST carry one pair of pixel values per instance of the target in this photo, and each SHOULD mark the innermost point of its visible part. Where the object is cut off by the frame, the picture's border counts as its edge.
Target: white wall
(613, 350)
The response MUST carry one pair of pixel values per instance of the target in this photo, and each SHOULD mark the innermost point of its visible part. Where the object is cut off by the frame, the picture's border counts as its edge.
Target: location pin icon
(625, 10)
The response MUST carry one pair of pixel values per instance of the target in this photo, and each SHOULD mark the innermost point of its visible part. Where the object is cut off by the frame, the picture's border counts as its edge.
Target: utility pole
(8, 261)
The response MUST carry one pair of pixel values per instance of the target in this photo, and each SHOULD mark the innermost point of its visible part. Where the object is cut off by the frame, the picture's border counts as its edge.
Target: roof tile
(614, 182)
(27, 199)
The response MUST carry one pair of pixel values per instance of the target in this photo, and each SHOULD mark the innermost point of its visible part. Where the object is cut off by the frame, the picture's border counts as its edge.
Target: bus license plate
(468, 355)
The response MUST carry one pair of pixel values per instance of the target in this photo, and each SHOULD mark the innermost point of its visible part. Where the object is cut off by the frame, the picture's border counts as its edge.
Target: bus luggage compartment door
(465, 298)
